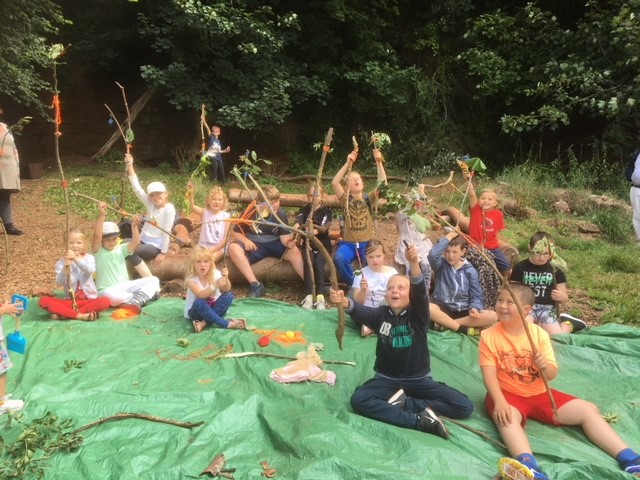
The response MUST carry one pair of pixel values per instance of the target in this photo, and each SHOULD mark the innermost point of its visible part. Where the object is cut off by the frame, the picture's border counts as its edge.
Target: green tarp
(305, 430)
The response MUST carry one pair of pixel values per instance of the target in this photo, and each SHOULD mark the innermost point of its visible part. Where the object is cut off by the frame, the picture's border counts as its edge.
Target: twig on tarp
(476, 431)
(140, 416)
(284, 357)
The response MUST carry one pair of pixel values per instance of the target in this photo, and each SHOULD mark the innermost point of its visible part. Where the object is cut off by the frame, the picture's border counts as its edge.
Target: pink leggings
(64, 308)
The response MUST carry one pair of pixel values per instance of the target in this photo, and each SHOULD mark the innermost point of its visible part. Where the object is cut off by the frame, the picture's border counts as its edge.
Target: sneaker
(512, 469)
(429, 422)
(398, 399)
(257, 290)
(576, 324)
(10, 405)
(307, 303)
(321, 304)
(138, 301)
(633, 470)
(12, 230)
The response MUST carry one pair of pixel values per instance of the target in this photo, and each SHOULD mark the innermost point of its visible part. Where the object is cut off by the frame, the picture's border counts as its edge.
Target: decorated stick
(332, 269)
(124, 213)
(315, 195)
(56, 52)
(128, 140)
(505, 284)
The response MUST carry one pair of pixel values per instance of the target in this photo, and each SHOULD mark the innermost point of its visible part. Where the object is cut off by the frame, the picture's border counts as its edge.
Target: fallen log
(286, 199)
(266, 270)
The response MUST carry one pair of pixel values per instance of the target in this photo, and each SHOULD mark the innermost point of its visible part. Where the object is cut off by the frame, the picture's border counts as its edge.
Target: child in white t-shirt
(214, 218)
(370, 283)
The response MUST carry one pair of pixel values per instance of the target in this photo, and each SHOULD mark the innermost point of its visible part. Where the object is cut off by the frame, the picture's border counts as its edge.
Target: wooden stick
(284, 357)
(121, 212)
(141, 416)
(476, 431)
(525, 324)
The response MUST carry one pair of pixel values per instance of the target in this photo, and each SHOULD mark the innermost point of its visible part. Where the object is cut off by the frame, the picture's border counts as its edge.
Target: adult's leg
(5, 206)
(635, 203)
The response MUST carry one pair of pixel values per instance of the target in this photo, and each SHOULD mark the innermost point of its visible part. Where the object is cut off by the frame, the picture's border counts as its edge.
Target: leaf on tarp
(422, 223)
(216, 466)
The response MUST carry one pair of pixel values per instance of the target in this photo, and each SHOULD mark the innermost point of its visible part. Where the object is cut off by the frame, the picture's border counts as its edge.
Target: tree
(26, 29)
(543, 74)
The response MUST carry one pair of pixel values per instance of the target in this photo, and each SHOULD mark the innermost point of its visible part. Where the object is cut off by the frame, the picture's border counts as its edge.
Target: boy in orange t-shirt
(516, 390)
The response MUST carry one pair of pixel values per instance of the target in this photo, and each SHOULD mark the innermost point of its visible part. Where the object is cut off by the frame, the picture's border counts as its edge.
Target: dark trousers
(217, 171)
(212, 314)
(319, 265)
(371, 400)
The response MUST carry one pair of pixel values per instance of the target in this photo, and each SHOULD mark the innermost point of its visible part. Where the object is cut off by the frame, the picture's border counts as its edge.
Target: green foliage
(25, 54)
(614, 224)
(112, 157)
(29, 454)
(541, 72)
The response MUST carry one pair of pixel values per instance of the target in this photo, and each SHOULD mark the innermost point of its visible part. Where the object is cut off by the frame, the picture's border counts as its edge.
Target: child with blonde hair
(356, 207)
(154, 241)
(7, 404)
(370, 283)
(79, 288)
(208, 293)
(485, 223)
(214, 219)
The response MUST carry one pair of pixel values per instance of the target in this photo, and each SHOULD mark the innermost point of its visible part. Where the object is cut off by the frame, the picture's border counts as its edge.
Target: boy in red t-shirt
(485, 222)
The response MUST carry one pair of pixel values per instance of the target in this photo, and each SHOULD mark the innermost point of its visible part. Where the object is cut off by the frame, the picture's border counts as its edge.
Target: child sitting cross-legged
(549, 283)
(74, 272)
(516, 390)
(208, 293)
(403, 392)
(457, 300)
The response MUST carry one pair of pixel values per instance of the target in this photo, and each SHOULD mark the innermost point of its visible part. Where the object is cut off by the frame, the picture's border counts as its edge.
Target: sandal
(91, 317)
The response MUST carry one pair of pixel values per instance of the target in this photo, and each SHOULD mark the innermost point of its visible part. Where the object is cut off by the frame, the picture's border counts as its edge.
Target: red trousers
(64, 308)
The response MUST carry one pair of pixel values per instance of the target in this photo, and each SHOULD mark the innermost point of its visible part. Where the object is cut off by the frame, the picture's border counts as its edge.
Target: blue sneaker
(257, 290)
(633, 470)
(512, 469)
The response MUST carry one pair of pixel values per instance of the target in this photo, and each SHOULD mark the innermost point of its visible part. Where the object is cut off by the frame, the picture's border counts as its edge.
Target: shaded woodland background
(545, 81)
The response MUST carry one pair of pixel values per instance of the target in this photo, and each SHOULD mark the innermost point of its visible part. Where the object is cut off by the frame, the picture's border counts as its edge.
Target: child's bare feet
(237, 323)
(198, 325)
(87, 317)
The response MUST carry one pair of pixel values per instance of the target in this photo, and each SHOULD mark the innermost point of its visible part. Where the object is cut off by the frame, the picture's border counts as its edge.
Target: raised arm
(191, 193)
(335, 183)
(471, 190)
(133, 179)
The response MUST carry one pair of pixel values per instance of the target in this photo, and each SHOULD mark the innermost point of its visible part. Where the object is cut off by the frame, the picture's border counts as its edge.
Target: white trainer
(321, 304)
(307, 303)
(11, 405)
